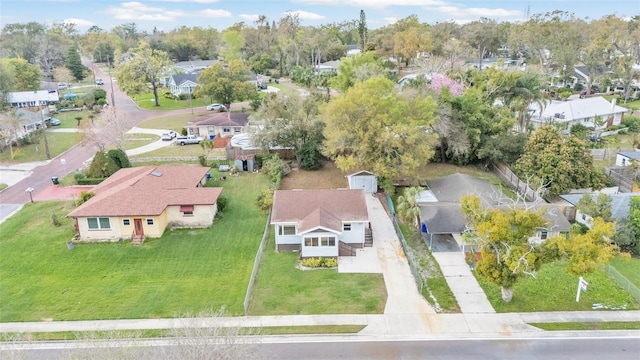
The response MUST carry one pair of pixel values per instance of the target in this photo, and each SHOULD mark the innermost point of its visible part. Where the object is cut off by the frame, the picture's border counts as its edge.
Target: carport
(441, 225)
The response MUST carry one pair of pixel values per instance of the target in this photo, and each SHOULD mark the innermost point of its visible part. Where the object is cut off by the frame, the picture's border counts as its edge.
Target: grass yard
(554, 289)
(329, 177)
(185, 271)
(68, 118)
(133, 141)
(601, 325)
(58, 143)
(287, 90)
(629, 268)
(174, 150)
(281, 288)
(436, 290)
(147, 101)
(175, 123)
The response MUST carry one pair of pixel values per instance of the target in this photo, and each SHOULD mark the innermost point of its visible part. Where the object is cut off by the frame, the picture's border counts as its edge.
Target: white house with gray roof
(578, 111)
(34, 98)
(625, 158)
(619, 206)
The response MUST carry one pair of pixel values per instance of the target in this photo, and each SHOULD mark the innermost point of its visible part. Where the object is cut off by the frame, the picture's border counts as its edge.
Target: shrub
(54, 220)
(314, 262)
(100, 103)
(84, 197)
(275, 168)
(90, 181)
(202, 160)
(120, 158)
(222, 202)
(265, 199)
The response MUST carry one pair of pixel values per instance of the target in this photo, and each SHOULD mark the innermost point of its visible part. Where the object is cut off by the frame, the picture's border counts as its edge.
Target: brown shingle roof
(222, 119)
(329, 205)
(139, 191)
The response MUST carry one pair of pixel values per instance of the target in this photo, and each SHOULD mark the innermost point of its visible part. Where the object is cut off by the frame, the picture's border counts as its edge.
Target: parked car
(214, 107)
(62, 86)
(262, 86)
(189, 139)
(54, 122)
(168, 136)
(584, 92)
(99, 82)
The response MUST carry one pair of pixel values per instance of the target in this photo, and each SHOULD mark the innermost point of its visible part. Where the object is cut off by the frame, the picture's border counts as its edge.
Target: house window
(226, 130)
(210, 129)
(186, 209)
(237, 130)
(346, 227)
(287, 230)
(328, 241)
(313, 241)
(149, 221)
(584, 217)
(126, 222)
(544, 234)
(96, 223)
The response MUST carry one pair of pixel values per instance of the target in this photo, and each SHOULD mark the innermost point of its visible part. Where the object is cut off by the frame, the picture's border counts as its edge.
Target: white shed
(363, 180)
(625, 158)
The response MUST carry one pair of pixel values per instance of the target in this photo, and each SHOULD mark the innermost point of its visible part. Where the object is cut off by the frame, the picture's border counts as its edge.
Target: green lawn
(285, 90)
(185, 271)
(554, 289)
(281, 289)
(146, 101)
(133, 141)
(603, 325)
(58, 143)
(173, 150)
(68, 118)
(175, 122)
(629, 268)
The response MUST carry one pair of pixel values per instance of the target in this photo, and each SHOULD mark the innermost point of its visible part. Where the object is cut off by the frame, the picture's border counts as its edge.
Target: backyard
(185, 271)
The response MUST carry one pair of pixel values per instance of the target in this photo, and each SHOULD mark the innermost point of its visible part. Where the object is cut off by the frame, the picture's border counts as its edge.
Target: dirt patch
(328, 177)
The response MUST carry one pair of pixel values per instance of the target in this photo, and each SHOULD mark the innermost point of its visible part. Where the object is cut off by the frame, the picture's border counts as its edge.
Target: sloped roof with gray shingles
(453, 187)
(579, 109)
(635, 155)
(182, 78)
(29, 96)
(619, 202)
(222, 119)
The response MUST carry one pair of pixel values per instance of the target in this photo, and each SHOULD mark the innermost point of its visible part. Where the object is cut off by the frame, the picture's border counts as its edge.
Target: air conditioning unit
(558, 116)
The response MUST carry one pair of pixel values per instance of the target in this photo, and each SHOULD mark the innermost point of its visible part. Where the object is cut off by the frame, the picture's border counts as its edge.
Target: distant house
(353, 50)
(321, 222)
(242, 150)
(140, 202)
(193, 66)
(219, 125)
(183, 84)
(624, 158)
(35, 98)
(441, 212)
(578, 111)
(619, 206)
(329, 66)
(26, 122)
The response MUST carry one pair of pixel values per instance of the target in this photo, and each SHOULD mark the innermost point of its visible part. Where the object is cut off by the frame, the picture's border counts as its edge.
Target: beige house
(135, 203)
(219, 124)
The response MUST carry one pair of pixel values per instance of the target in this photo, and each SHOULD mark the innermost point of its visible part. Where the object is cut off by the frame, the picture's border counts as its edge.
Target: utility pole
(44, 134)
(113, 100)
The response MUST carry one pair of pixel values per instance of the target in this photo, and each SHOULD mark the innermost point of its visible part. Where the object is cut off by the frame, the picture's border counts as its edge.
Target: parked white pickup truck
(189, 139)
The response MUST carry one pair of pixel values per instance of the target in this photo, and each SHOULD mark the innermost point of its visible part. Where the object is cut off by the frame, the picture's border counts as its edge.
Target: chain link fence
(256, 265)
(623, 281)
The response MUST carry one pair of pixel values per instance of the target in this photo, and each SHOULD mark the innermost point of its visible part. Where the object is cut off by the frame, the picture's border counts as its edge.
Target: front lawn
(147, 101)
(174, 122)
(133, 141)
(58, 143)
(185, 271)
(554, 289)
(629, 268)
(282, 289)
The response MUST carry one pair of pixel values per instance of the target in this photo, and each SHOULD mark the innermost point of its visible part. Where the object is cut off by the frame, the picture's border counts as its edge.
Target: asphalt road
(583, 348)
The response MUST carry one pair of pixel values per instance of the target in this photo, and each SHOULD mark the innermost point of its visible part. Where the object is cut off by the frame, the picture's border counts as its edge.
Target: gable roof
(29, 96)
(184, 78)
(194, 64)
(362, 173)
(453, 187)
(619, 202)
(222, 119)
(25, 116)
(147, 191)
(579, 109)
(630, 154)
(319, 207)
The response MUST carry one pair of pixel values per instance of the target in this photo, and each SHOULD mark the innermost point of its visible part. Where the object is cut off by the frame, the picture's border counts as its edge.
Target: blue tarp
(70, 96)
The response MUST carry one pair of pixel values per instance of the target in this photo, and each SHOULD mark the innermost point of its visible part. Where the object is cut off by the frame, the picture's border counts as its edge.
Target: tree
(502, 235)
(558, 163)
(21, 75)
(601, 207)
(362, 30)
(356, 68)
(586, 252)
(407, 207)
(524, 90)
(226, 84)
(146, 67)
(109, 129)
(74, 64)
(233, 42)
(373, 127)
(7, 82)
(102, 166)
(291, 122)
(484, 35)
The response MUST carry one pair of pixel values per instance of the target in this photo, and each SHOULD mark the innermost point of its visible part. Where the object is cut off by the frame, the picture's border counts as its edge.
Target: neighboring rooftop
(619, 202)
(222, 119)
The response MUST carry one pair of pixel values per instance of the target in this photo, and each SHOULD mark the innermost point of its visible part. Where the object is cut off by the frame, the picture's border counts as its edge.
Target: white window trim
(98, 223)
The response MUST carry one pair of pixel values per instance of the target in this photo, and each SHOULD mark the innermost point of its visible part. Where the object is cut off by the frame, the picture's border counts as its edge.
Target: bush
(313, 262)
(84, 197)
(222, 203)
(89, 181)
(120, 158)
(168, 95)
(265, 199)
(202, 160)
(275, 168)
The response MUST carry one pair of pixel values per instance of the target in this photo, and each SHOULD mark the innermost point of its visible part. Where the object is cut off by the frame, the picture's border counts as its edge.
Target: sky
(169, 14)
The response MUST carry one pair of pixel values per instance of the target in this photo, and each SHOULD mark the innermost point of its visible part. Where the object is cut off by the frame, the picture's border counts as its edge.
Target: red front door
(137, 223)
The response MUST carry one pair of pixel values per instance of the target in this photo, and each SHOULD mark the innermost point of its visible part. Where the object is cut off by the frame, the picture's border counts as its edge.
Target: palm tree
(525, 91)
(408, 208)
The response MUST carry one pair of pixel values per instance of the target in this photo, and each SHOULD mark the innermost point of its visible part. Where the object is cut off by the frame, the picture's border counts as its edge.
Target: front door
(137, 223)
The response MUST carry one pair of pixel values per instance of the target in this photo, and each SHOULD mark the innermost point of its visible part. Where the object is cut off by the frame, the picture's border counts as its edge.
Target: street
(315, 347)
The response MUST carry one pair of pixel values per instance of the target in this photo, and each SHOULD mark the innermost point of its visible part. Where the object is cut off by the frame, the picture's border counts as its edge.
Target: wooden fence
(520, 186)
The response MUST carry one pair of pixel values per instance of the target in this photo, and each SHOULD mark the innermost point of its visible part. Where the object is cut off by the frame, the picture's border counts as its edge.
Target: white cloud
(78, 22)
(372, 4)
(211, 13)
(391, 20)
(252, 17)
(305, 15)
(192, 1)
(462, 12)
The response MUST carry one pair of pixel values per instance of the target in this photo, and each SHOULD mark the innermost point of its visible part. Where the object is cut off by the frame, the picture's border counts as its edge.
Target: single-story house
(619, 206)
(219, 124)
(26, 122)
(441, 212)
(329, 66)
(353, 49)
(193, 66)
(364, 180)
(139, 202)
(183, 84)
(33, 98)
(240, 147)
(624, 158)
(578, 111)
(320, 222)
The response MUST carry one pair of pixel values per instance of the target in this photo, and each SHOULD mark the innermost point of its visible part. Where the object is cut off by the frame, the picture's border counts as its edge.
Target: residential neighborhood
(256, 188)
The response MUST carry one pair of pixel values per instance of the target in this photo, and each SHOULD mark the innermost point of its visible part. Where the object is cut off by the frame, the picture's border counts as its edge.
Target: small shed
(624, 158)
(363, 180)
(245, 162)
